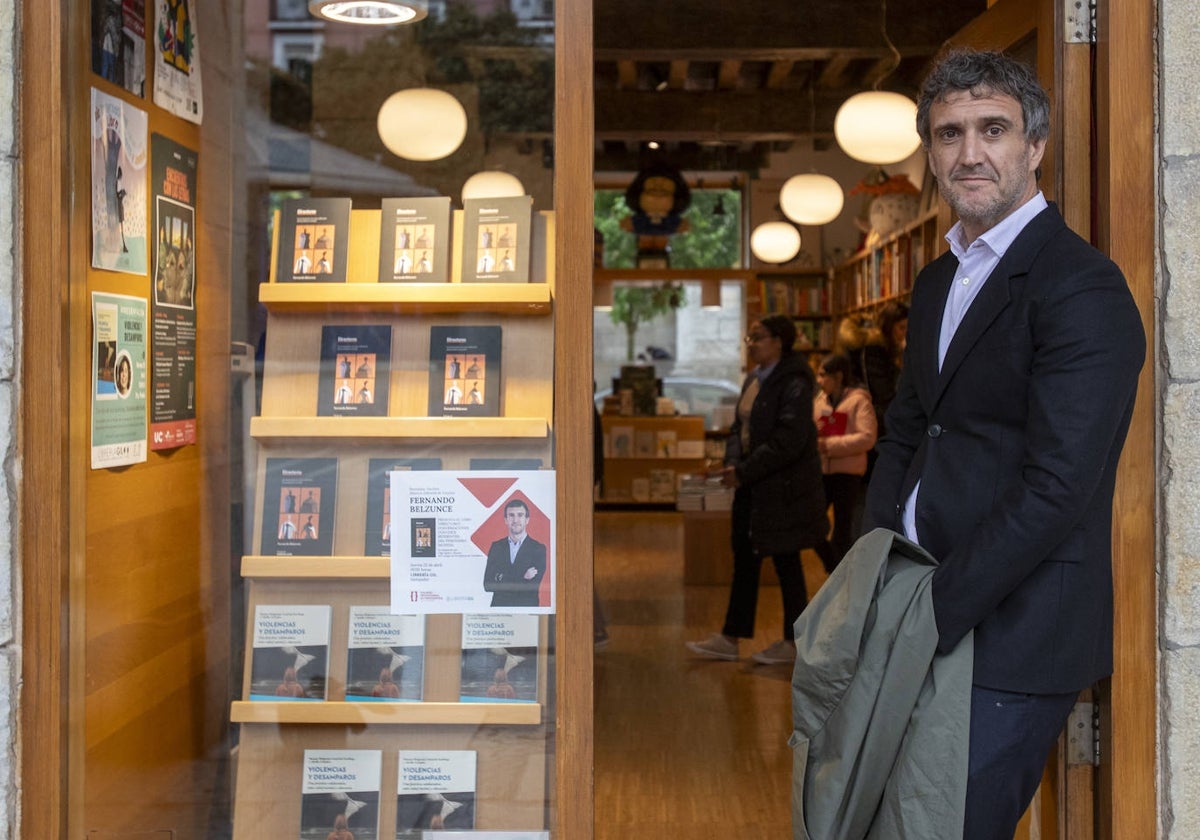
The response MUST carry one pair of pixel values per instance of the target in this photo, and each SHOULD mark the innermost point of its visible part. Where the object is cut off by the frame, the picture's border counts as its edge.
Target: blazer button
(934, 431)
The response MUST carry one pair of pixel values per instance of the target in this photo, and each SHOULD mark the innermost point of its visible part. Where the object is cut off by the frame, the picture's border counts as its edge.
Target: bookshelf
(886, 271)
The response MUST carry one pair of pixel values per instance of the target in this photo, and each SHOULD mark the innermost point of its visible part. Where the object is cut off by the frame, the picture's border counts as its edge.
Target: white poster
(473, 541)
(177, 60)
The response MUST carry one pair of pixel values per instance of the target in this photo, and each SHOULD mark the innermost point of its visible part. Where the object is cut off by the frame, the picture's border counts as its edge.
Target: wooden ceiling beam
(728, 74)
(627, 76)
(718, 115)
(779, 72)
(678, 76)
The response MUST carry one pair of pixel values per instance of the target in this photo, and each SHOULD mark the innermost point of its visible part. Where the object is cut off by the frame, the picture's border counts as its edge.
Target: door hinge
(1083, 735)
(1079, 21)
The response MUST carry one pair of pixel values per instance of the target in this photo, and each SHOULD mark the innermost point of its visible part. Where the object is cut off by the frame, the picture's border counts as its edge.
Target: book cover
(834, 423)
(642, 381)
(385, 658)
(314, 240)
(496, 240)
(464, 371)
(639, 488)
(353, 378)
(666, 443)
(299, 498)
(414, 240)
(499, 658)
(621, 441)
(289, 657)
(662, 485)
(435, 789)
(379, 500)
(643, 443)
(340, 794)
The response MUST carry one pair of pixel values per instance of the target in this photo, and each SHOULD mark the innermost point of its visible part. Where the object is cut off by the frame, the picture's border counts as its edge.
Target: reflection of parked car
(692, 395)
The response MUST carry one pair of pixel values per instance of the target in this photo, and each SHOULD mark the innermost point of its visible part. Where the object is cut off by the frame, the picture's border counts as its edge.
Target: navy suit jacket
(506, 580)
(1015, 442)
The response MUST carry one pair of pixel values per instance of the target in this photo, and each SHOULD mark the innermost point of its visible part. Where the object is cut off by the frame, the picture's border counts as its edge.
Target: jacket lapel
(996, 293)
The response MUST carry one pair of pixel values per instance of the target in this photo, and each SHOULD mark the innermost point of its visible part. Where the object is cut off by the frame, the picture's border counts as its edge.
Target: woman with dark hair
(846, 430)
(778, 504)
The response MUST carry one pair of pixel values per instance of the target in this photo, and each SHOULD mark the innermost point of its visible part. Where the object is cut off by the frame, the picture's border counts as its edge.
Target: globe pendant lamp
(369, 12)
(422, 124)
(877, 127)
(811, 199)
(775, 242)
(492, 183)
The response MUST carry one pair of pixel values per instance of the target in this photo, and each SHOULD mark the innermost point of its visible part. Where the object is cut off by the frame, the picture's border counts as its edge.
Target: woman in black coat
(779, 501)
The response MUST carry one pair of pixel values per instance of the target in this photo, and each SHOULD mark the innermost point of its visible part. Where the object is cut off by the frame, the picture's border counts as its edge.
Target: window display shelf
(396, 428)
(341, 712)
(416, 298)
(315, 568)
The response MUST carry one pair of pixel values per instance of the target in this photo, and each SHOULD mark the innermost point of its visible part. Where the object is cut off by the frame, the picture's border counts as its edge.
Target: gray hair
(983, 73)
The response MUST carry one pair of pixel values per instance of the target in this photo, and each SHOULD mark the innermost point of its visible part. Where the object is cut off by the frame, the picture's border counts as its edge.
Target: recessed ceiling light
(653, 144)
(369, 12)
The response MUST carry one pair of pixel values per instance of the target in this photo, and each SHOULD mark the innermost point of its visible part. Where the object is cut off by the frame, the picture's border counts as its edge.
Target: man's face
(516, 519)
(979, 154)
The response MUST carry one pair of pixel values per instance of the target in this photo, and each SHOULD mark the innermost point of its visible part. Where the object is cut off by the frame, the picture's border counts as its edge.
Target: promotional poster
(118, 380)
(473, 541)
(119, 157)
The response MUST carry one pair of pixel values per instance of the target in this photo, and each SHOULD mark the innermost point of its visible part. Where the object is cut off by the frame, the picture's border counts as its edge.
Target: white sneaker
(782, 652)
(716, 646)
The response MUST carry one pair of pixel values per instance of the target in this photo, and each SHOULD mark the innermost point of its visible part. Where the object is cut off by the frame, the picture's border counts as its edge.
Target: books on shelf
(620, 442)
(340, 794)
(314, 240)
(499, 658)
(435, 789)
(662, 485)
(666, 443)
(642, 383)
(353, 373)
(378, 542)
(289, 654)
(385, 657)
(299, 498)
(464, 371)
(496, 239)
(643, 443)
(414, 240)
(506, 464)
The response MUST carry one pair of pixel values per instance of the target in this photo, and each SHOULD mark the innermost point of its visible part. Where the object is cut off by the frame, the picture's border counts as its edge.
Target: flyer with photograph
(119, 43)
(118, 380)
(119, 157)
(473, 541)
(173, 370)
(177, 61)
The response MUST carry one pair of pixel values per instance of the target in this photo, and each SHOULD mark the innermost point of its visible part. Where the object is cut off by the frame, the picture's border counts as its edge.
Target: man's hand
(530, 573)
(728, 476)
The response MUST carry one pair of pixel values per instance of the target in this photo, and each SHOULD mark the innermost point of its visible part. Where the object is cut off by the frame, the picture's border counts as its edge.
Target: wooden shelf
(314, 568)
(506, 298)
(396, 428)
(335, 712)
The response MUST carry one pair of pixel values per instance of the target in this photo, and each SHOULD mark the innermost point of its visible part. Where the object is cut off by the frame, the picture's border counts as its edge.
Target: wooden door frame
(43, 417)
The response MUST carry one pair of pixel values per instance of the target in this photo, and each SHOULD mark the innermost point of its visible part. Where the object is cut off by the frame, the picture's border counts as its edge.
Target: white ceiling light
(811, 199)
(877, 126)
(369, 12)
(492, 184)
(775, 242)
(422, 124)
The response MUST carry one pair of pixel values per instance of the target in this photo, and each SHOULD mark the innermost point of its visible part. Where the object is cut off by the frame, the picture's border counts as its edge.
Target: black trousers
(1011, 736)
(841, 491)
(747, 565)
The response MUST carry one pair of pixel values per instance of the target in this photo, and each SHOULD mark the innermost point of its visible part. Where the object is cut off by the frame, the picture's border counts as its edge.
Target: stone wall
(1179, 296)
(9, 660)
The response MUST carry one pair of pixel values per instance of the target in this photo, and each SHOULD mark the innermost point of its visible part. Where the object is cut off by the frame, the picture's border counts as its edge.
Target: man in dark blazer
(516, 564)
(1000, 458)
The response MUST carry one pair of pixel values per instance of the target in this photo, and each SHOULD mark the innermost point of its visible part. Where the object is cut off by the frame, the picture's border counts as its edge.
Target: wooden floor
(685, 748)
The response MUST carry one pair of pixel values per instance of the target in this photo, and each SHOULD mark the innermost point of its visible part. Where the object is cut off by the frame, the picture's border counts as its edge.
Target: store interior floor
(685, 748)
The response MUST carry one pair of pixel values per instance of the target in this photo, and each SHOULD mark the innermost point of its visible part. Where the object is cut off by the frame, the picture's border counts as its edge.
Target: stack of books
(691, 493)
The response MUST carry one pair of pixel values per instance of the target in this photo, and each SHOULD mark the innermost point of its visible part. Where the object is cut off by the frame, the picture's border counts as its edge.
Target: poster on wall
(177, 61)
(119, 158)
(118, 380)
(472, 541)
(173, 360)
(119, 43)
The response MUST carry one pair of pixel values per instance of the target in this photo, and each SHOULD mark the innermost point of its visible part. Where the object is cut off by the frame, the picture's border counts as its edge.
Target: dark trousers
(841, 491)
(747, 564)
(1011, 736)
